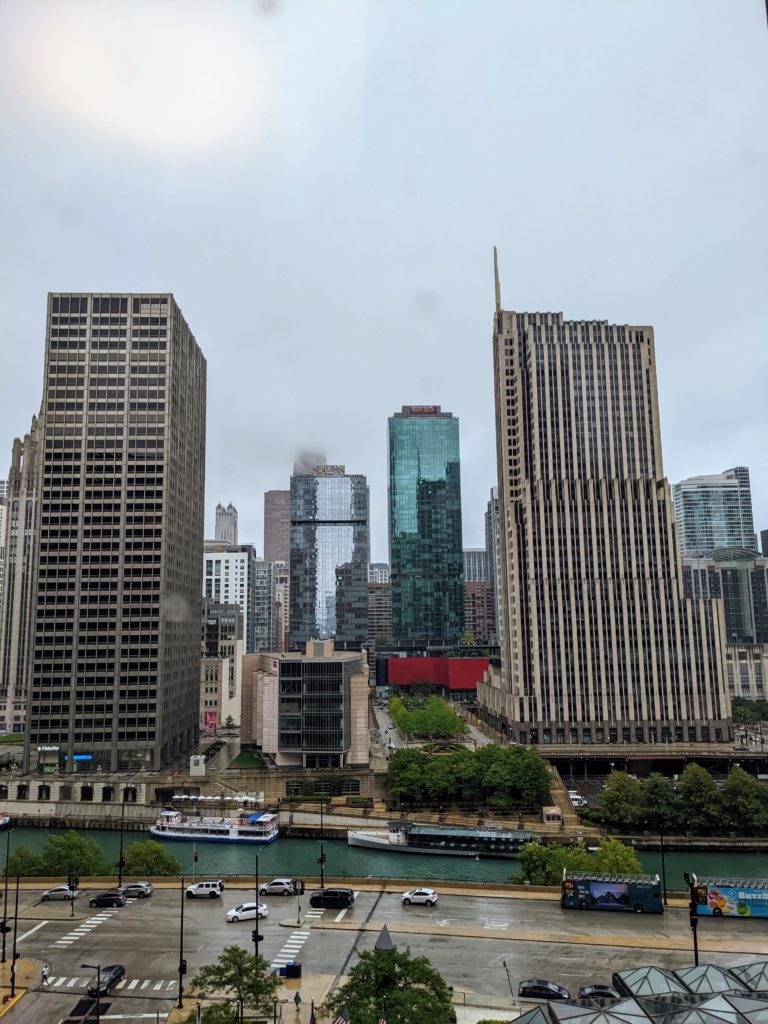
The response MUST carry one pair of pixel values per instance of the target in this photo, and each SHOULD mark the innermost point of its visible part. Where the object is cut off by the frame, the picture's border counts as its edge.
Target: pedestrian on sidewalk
(45, 972)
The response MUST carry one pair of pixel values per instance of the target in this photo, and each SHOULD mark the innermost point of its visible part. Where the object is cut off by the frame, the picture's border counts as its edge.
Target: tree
(148, 857)
(215, 1013)
(70, 850)
(243, 980)
(543, 865)
(23, 862)
(621, 801)
(743, 802)
(392, 984)
(700, 803)
(660, 806)
(615, 858)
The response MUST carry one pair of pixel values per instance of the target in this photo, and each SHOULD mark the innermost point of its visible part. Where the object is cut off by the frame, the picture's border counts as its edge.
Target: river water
(298, 858)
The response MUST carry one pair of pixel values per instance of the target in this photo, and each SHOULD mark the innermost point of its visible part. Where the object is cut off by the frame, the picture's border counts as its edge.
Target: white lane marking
(120, 983)
(172, 984)
(133, 983)
(82, 983)
(71, 982)
(341, 914)
(31, 930)
(145, 984)
(158, 985)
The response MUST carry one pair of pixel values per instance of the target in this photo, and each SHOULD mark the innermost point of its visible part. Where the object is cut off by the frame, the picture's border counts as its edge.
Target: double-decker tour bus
(637, 894)
(734, 897)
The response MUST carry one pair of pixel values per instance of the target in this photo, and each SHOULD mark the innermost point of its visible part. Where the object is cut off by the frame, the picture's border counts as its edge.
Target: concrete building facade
(229, 577)
(308, 709)
(16, 601)
(221, 642)
(378, 572)
(277, 526)
(599, 643)
(479, 621)
(476, 564)
(226, 524)
(715, 512)
(116, 634)
(491, 541)
(379, 614)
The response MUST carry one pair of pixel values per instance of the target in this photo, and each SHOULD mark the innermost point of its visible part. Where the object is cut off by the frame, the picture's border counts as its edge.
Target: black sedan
(109, 978)
(336, 898)
(110, 898)
(537, 988)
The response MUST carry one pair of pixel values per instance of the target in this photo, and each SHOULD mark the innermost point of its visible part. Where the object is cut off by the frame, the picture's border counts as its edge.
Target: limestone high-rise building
(116, 648)
(225, 528)
(16, 612)
(599, 643)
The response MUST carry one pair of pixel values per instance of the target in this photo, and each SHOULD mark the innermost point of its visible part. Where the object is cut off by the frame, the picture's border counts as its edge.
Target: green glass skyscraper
(425, 545)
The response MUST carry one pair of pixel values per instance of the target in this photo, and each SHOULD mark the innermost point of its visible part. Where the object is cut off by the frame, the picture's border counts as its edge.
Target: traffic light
(121, 862)
(5, 928)
(301, 886)
(183, 967)
(256, 937)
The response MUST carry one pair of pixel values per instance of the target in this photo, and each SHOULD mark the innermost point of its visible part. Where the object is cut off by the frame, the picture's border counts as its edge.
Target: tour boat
(246, 827)
(5, 820)
(446, 840)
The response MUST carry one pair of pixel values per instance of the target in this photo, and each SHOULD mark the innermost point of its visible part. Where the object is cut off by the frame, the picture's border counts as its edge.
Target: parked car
(338, 898)
(138, 890)
(537, 988)
(426, 896)
(211, 889)
(277, 887)
(109, 978)
(59, 892)
(598, 992)
(109, 898)
(247, 911)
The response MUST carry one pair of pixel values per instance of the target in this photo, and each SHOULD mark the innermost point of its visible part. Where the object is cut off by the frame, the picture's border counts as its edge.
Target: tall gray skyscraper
(425, 551)
(715, 512)
(598, 643)
(329, 556)
(277, 526)
(116, 649)
(491, 538)
(16, 610)
(226, 524)
(475, 565)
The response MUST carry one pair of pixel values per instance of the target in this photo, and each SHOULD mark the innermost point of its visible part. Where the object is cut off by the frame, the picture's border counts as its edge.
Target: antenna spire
(496, 279)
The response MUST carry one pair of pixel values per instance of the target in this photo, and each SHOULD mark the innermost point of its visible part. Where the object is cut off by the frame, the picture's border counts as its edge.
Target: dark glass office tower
(329, 556)
(425, 546)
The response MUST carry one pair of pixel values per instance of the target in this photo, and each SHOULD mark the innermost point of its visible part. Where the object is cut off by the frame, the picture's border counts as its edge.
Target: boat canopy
(259, 817)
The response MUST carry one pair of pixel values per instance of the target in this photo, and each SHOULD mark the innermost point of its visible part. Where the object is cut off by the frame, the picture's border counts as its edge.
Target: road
(466, 937)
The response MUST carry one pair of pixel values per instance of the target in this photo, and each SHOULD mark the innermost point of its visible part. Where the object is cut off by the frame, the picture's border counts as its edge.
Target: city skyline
(243, 208)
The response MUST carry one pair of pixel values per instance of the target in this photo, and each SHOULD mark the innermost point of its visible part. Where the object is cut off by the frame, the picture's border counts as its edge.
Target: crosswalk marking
(139, 984)
(133, 984)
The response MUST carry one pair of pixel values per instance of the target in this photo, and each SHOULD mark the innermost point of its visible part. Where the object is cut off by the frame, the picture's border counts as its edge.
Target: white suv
(212, 890)
(277, 887)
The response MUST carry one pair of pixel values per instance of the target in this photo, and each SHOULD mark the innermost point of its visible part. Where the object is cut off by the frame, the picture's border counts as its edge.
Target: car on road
(277, 887)
(59, 892)
(426, 896)
(247, 911)
(109, 977)
(138, 890)
(109, 898)
(339, 899)
(537, 988)
(207, 888)
(598, 992)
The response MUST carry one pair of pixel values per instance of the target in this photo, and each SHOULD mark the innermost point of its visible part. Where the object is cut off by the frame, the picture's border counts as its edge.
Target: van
(212, 890)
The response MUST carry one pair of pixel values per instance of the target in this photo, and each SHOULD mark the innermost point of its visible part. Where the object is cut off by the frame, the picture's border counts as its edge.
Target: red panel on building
(453, 673)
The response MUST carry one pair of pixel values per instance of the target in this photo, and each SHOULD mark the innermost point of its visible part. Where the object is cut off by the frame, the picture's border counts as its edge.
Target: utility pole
(5, 890)
(693, 914)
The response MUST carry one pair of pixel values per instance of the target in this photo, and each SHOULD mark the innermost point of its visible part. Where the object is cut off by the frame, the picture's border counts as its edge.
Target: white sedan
(426, 896)
(247, 911)
(59, 892)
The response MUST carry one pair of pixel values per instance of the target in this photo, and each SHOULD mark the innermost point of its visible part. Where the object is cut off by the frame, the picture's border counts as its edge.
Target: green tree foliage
(243, 981)
(148, 857)
(621, 802)
(70, 850)
(215, 1013)
(392, 984)
(744, 802)
(700, 800)
(23, 862)
(659, 804)
(436, 719)
(543, 865)
(749, 712)
(502, 779)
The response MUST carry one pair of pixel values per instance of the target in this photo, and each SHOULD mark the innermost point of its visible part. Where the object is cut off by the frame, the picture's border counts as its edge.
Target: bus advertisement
(633, 893)
(719, 897)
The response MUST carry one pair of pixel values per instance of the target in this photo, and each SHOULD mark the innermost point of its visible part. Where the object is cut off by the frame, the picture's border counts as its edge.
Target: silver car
(277, 887)
(59, 892)
(138, 890)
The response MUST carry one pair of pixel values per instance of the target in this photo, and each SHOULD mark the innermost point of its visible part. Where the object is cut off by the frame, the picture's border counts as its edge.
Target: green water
(298, 858)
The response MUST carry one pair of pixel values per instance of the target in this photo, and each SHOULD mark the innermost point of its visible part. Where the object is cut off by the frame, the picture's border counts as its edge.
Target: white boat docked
(445, 840)
(246, 827)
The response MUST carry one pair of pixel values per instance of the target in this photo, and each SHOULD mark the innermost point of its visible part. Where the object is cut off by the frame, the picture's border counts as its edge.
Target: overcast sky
(320, 184)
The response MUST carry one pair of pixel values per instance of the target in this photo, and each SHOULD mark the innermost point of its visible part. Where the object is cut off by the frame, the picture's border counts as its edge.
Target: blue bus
(723, 897)
(638, 894)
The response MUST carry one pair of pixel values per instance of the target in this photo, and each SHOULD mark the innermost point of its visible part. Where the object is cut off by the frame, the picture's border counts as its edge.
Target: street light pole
(693, 914)
(322, 847)
(5, 890)
(97, 968)
(182, 961)
(121, 860)
(256, 928)
(663, 865)
(15, 955)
